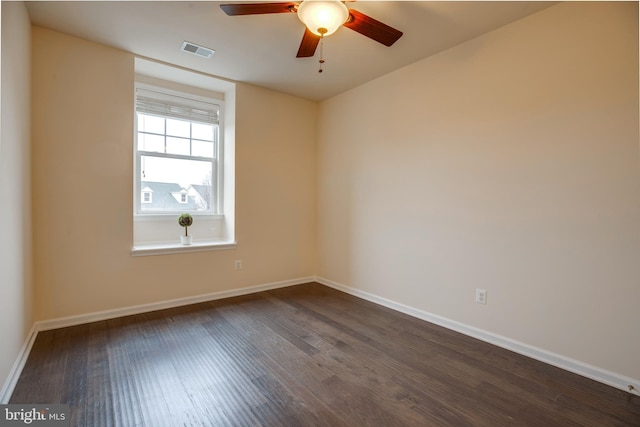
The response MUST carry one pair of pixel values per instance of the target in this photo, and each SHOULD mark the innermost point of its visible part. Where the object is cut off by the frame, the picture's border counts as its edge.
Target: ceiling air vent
(202, 51)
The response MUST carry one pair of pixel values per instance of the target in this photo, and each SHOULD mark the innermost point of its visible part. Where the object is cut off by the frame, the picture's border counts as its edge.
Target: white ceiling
(261, 49)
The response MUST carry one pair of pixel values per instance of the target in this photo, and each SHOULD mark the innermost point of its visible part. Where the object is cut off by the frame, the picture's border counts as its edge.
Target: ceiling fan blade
(372, 28)
(308, 45)
(257, 8)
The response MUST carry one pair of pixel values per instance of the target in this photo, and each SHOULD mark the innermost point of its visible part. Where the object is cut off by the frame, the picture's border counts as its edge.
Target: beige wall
(15, 206)
(82, 188)
(508, 163)
(275, 184)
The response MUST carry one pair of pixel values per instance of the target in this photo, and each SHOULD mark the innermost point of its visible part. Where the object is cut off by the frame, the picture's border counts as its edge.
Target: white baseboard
(16, 369)
(577, 367)
(64, 322)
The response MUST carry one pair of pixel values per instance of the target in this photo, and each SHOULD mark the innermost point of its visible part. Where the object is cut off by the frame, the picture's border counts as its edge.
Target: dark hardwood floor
(306, 355)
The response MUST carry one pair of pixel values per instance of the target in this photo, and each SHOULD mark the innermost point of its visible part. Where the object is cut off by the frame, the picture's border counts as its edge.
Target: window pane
(148, 142)
(168, 178)
(178, 146)
(151, 124)
(202, 149)
(178, 128)
(202, 131)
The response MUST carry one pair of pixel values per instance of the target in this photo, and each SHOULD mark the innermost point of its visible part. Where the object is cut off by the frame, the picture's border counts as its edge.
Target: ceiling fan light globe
(323, 17)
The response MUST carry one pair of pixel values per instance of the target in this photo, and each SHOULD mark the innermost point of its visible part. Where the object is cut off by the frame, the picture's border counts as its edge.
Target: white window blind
(176, 107)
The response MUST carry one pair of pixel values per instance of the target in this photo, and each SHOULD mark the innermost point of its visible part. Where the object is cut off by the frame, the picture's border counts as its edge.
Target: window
(146, 196)
(184, 160)
(177, 153)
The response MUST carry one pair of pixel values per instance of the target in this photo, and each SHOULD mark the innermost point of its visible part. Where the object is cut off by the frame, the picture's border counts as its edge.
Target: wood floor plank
(99, 406)
(75, 374)
(305, 355)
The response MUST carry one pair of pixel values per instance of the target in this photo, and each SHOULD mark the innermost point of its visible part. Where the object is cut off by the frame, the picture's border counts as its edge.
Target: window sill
(173, 217)
(176, 248)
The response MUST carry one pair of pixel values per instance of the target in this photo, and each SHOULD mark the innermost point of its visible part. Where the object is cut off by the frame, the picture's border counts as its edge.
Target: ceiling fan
(321, 19)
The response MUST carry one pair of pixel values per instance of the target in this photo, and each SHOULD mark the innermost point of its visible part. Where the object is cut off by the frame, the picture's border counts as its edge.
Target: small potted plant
(185, 220)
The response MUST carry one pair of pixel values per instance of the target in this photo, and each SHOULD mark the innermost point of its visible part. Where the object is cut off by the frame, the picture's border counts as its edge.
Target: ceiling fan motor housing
(323, 17)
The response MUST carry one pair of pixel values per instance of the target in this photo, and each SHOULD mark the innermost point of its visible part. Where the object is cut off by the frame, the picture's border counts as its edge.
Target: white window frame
(216, 163)
(155, 234)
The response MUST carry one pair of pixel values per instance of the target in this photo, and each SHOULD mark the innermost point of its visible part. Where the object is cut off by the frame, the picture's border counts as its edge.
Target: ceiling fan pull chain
(321, 53)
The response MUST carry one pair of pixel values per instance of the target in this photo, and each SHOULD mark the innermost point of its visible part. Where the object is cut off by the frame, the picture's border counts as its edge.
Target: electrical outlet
(481, 296)
(238, 264)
